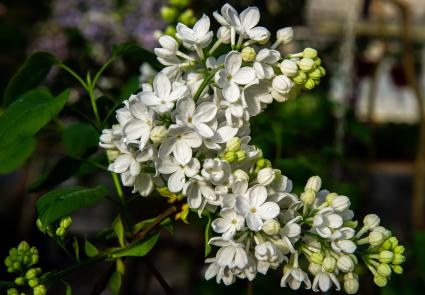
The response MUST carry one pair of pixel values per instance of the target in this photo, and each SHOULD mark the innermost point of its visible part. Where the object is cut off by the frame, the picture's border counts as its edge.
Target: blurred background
(362, 130)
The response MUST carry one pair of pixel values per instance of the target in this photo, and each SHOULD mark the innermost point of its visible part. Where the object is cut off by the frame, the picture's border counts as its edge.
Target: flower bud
(230, 157)
(40, 290)
(170, 30)
(345, 263)
(240, 155)
(112, 154)
(376, 238)
(399, 250)
(371, 221)
(33, 282)
(187, 17)
(169, 14)
(265, 176)
(394, 242)
(308, 197)
(19, 281)
(23, 246)
(158, 134)
(314, 268)
(285, 35)
(271, 227)
(398, 259)
(384, 270)
(223, 34)
(310, 52)
(262, 163)
(310, 84)
(282, 86)
(351, 283)
(330, 197)
(180, 3)
(316, 74)
(316, 257)
(322, 70)
(12, 291)
(234, 144)
(31, 273)
(313, 183)
(386, 256)
(248, 54)
(60, 232)
(288, 68)
(306, 64)
(329, 264)
(300, 78)
(397, 269)
(65, 222)
(380, 281)
(340, 203)
(240, 174)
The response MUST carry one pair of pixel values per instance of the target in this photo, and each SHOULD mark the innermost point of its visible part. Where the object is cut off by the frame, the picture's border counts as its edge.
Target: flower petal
(257, 195)
(182, 152)
(176, 181)
(254, 222)
(268, 210)
(231, 92)
(244, 75)
(162, 86)
(233, 62)
(249, 18)
(205, 112)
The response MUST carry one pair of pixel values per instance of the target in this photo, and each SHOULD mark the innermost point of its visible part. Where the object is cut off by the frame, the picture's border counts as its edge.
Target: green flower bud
(19, 281)
(187, 17)
(26, 260)
(398, 259)
(31, 273)
(394, 242)
(8, 261)
(322, 71)
(386, 256)
(112, 154)
(33, 283)
(17, 265)
(12, 291)
(230, 157)
(316, 74)
(241, 155)
(271, 227)
(300, 78)
(384, 270)
(345, 263)
(34, 259)
(397, 269)
(309, 84)
(308, 197)
(170, 30)
(306, 64)
(169, 14)
(376, 238)
(329, 264)
(317, 61)
(310, 52)
(39, 225)
(330, 197)
(380, 281)
(387, 245)
(60, 232)
(351, 283)
(351, 223)
(13, 252)
(180, 3)
(34, 250)
(65, 222)
(40, 290)
(234, 144)
(248, 54)
(399, 249)
(263, 163)
(23, 246)
(316, 257)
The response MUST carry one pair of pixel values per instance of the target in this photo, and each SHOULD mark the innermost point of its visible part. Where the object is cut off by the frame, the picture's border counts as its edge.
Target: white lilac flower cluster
(187, 135)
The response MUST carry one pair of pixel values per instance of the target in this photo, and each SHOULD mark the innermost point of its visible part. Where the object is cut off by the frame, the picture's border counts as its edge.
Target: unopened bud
(230, 157)
(398, 259)
(169, 14)
(380, 281)
(376, 238)
(288, 68)
(340, 203)
(65, 222)
(60, 232)
(397, 269)
(23, 246)
(240, 174)
(308, 197)
(33, 282)
(313, 183)
(19, 281)
(351, 283)
(345, 263)
(271, 227)
(187, 17)
(241, 155)
(399, 250)
(158, 134)
(234, 144)
(306, 64)
(384, 270)
(316, 74)
(310, 52)
(12, 291)
(285, 35)
(371, 221)
(223, 34)
(111, 155)
(330, 197)
(386, 256)
(31, 273)
(248, 54)
(40, 290)
(316, 257)
(310, 84)
(300, 78)
(329, 264)
(265, 176)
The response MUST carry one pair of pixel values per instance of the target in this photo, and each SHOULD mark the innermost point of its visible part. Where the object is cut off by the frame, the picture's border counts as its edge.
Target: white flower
(230, 254)
(215, 170)
(233, 75)
(178, 172)
(139, 127)
(223, 34)
(265, 176)
(198, 118)
(325, 221)
(341, 240)
(199, 193)
(163, 97)
(125, 162)
(256, 96)
(143, 184)
(169, 47)
(180, 143)
(223, 134)
(323, 279)
(268, 255)
(228, 223)
(294, 276)
(282, 86)
(198, 37)
(264, 60)
(254, 207)
(371, 221)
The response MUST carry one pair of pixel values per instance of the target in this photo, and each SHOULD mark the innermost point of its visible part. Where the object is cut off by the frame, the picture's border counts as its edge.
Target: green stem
(205, 83)
(75, 75)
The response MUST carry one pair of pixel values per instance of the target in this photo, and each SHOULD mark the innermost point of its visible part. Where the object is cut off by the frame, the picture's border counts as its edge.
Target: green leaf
(28, 114)
(77, 138)
(207, 236)
(63, 201)
(135, 51)
(29, 75)
(139, 248)
(90, 249)
(119, 230)
(419, 245)
(4, 284)
(68, 289)
(76, 248)
(114, 283)
(15, 155)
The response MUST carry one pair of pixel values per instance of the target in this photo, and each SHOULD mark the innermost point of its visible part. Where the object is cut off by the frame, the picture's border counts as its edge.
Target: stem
(205, 83)
(102, 69)
(121, 196)
(158, 220)
(158, 276)
(103, 281)
(75, 75)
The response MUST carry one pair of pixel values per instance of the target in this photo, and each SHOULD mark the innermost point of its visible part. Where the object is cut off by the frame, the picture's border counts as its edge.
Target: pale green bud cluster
(61, 229)
(233, 152)
(19, 261)
(304, 68)
(177, 11)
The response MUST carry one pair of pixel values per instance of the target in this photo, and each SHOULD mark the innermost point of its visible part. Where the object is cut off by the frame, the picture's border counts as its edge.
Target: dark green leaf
(90, 249)
(78, 138)
(61, 171)
(29, 76)
(76, 248)
(419, 245)
(119, 230)
(4, 284)
(139, 248)
(15, 155)
(114, 283)
(63, 201)
(28, 114)
(135, 51)
(207, 236)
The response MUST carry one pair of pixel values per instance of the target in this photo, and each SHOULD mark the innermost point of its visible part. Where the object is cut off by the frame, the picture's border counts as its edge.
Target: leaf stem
(75, 75)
